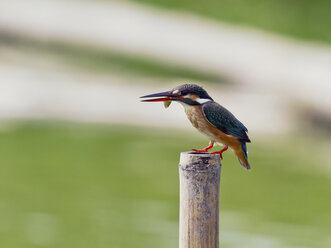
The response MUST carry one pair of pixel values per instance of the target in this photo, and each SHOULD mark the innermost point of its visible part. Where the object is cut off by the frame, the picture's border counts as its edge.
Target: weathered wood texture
(199, 175)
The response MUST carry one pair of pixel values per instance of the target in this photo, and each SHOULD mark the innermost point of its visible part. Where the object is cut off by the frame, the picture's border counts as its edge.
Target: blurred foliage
(299, 18)
(66, 185)
(98, 60)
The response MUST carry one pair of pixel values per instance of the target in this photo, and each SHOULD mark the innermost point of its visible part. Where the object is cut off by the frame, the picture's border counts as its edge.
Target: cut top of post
(199, 161)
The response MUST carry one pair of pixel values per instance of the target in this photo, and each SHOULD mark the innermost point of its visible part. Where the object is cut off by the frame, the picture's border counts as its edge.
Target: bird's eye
(184, 92)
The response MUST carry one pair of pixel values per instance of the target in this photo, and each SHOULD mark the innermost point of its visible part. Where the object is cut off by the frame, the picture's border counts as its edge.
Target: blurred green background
(85, 164)
(303, 19)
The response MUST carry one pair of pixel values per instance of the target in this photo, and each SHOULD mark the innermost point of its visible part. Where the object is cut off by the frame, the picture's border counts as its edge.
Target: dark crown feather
(193, 89)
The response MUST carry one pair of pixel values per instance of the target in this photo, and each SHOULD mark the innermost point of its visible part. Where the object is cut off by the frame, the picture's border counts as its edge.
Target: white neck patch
(203, 100)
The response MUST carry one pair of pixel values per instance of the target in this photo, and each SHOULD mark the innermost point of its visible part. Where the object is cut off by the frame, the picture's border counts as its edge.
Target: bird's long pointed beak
(161, 97)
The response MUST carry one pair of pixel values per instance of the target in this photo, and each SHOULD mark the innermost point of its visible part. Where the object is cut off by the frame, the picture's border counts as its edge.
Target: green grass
(67, 185)
(103, 61)
(298, 18)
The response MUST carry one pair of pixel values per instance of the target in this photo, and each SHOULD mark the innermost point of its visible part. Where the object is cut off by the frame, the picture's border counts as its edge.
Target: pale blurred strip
(37, 89)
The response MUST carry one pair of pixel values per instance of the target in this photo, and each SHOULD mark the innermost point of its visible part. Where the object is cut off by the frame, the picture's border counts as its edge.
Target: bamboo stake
(199, 175)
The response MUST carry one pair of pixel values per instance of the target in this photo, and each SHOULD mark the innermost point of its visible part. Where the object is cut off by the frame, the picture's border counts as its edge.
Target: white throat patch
(203, 100)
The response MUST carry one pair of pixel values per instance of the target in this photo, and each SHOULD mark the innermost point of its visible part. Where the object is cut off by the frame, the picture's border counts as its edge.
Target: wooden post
(199, 175)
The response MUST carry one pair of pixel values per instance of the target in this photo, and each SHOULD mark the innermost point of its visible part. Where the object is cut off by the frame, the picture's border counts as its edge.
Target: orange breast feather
(200, 122)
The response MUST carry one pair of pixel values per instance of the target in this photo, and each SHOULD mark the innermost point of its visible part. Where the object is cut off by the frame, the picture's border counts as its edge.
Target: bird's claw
(217, 153)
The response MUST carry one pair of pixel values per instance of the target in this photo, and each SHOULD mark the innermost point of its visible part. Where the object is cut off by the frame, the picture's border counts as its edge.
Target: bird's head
(187, 94)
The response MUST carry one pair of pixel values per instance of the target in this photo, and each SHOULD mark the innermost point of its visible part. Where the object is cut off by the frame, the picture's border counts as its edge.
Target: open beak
(162, 97)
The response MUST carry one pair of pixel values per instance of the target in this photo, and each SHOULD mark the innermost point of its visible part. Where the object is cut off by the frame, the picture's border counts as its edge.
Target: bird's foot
(211, 144)
(221, 151)
(201, 150)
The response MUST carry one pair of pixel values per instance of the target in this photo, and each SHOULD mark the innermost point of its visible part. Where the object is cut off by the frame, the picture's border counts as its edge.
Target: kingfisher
(210, 118)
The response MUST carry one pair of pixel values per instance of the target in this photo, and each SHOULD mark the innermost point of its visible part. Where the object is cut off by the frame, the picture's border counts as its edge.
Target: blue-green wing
(224, 120)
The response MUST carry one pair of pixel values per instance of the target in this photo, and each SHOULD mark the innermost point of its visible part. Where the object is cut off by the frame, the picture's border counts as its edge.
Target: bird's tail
(241, 153)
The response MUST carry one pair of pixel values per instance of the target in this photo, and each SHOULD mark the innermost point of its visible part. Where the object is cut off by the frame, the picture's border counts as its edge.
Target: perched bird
(210, 118)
